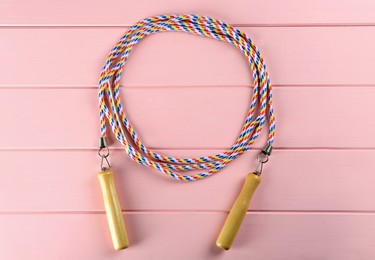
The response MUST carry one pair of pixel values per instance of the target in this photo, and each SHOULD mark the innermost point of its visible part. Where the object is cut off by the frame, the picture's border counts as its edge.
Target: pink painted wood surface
(205, 117)
(295, 56)
(112, 12)
(188, 236)
(316, 197)
(57, 181)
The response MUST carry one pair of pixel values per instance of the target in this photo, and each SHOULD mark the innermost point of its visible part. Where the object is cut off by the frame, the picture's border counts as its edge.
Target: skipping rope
(112, 111)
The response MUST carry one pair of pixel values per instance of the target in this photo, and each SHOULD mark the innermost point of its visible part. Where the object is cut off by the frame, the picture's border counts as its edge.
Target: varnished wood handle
(238, 212)
(113, 210)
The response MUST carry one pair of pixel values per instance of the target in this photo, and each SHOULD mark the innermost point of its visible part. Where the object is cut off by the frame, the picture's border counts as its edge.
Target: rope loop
(111, 108)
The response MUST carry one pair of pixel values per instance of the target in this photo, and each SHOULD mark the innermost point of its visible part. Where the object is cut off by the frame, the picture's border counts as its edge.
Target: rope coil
(110, 106)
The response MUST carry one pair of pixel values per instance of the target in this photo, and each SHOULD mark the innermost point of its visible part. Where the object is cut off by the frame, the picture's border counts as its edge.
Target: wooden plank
(295, 56)
(238, 11)
(189, 118)
(292, 180)
(180, 236)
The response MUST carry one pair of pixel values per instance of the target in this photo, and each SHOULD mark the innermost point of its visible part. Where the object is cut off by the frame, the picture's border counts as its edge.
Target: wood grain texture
(165, 236)
(192, 118)
(295, 56)
(273, 12)
(113, 210)
(238, 212)
(293, 180)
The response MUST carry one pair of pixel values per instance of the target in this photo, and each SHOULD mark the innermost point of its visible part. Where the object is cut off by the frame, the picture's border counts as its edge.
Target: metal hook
(103, 145)
(262, 158)
(103, 155)
(108, 165)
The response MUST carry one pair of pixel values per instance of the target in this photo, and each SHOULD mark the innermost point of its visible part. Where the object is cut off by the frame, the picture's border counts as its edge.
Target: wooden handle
(113, 210)
(238, 212)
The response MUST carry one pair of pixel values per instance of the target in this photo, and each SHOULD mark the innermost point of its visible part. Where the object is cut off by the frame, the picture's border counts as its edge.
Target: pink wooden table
(188, 96)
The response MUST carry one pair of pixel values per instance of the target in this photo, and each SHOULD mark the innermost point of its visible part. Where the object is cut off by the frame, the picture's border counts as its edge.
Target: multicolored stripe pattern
(110, 106)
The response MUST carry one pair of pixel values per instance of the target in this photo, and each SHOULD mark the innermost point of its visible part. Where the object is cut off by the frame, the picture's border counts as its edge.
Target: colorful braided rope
(110, 106)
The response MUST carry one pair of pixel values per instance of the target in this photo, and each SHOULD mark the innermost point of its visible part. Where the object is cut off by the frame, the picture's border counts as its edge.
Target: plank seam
(239, 25)
(249, 212)
(256, 148)
(284, 86)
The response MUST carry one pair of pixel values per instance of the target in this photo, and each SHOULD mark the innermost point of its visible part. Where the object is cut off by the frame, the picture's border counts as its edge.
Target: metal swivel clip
(104, 155)
(263, 157)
